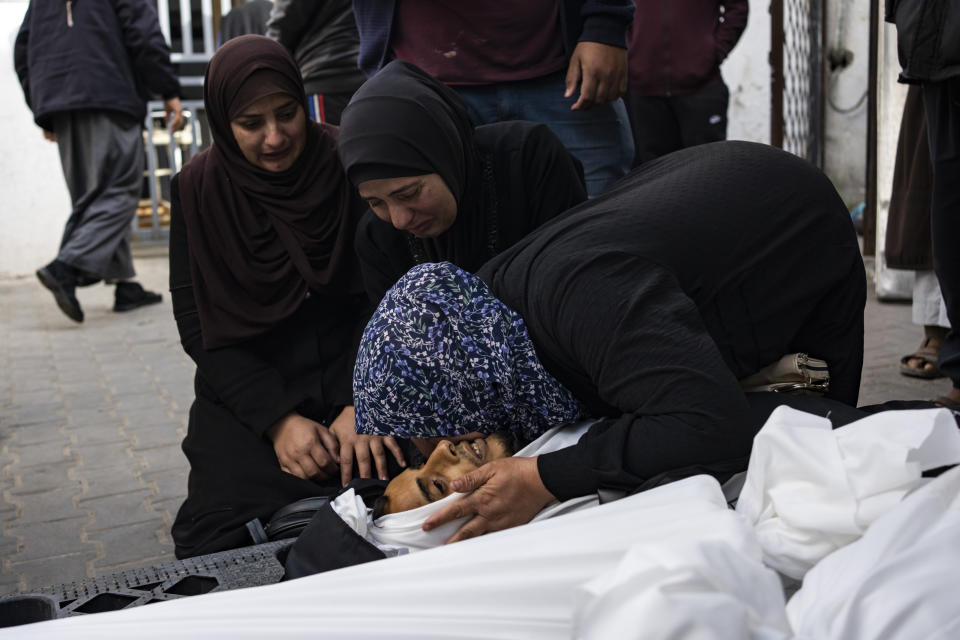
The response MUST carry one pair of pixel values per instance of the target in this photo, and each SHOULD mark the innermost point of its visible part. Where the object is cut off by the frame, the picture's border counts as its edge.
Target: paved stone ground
(91, 417)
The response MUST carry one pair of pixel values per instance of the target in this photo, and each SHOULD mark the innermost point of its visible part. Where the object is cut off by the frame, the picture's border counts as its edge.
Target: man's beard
(510, 440)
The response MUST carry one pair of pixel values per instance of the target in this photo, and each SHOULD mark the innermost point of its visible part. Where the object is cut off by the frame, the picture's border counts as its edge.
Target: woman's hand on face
(304, 448)
(363, 447)
(504, 493)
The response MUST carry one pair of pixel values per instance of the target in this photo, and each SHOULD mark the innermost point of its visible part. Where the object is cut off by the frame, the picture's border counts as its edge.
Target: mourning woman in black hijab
(438, 188)
(268, 302)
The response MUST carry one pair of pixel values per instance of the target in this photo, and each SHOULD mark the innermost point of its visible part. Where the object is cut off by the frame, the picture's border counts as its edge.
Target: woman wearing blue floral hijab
(466, 360)
(642, 308)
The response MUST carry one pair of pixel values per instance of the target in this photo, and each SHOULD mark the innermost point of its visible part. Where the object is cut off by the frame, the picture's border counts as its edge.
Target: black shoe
(130, 295)
(58, 278)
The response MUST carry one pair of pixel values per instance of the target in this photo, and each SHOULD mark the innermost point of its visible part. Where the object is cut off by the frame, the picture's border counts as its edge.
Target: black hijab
(403, 122)
(259, 240)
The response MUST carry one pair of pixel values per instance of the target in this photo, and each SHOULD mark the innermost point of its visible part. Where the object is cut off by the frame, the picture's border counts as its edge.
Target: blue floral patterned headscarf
(443, 357)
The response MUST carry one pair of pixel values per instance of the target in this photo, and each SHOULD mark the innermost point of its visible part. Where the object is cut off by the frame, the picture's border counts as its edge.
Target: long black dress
(528, 178)
(241, 390)
(650, 302)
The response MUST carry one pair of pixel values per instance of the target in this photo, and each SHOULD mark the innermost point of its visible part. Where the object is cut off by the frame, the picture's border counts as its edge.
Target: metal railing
(192, 43)
(796, 58)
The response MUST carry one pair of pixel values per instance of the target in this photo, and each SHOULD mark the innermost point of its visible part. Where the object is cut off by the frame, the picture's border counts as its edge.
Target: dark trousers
(662, 124)
(942, 105)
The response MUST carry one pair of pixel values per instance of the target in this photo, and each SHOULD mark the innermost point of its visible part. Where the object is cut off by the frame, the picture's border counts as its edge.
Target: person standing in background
(676, 96)
(322, 37)
(928, 46)
(908, 237)
(560, 63)
(87, 70)
(248, 18)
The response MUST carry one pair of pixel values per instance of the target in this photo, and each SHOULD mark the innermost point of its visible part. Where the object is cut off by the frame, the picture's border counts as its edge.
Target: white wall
(747, 73)
(34, 196)
(845, 156)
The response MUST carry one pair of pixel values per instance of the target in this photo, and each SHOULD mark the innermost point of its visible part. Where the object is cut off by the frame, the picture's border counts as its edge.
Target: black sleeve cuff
(605, 30)
(564, 474)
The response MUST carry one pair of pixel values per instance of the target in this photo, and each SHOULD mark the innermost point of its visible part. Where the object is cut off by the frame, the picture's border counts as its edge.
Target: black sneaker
(59, 279)
(130, 295)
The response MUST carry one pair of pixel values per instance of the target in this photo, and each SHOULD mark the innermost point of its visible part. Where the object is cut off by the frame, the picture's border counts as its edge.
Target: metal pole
(776, 73)
(186, 26)
(870, 212)
(206, 15)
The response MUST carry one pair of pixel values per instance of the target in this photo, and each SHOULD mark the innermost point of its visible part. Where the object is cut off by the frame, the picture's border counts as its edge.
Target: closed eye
(409, 195)
(249, 125)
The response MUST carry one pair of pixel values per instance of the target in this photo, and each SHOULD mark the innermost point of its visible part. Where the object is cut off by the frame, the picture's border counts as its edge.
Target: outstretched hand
(363, 447)
(600, 70)
(504, 493)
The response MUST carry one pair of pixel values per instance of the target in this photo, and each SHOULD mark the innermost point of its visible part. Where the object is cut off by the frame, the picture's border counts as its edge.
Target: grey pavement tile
(96, 434)
(48, 540)
(9, 546)
(9, 584)
(148, 399)
(39, 478)
(33, 415)
(160, 458)
(54, 571)
(165, 418)
(167, 507)
(111, 481)
(41, 453)
(149, 436)
(170, 484)
(103, 455)
(83, 386)
(118, 510)
(48, 506)
(94, 416)
(133, 384)
(38, 433)
(91, 399)
(36, 398)
(131, 543)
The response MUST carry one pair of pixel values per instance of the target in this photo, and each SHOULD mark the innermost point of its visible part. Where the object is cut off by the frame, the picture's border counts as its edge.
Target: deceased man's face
(421, 485)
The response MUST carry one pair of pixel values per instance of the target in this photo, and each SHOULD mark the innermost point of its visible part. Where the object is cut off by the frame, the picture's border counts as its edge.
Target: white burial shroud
(518, 583)
(898, 582)
(811, 489)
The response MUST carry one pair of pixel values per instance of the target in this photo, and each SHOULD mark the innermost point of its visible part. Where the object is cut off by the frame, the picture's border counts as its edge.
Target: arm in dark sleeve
(20, 56)
(290, 19)
(146, 47)
(648, 354)
(383, 253)
(553, 175)
(253, 390)
(731, 27)
(606, 22)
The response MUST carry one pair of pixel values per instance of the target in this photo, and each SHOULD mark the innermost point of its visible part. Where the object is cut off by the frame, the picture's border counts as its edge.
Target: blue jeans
(599, 137)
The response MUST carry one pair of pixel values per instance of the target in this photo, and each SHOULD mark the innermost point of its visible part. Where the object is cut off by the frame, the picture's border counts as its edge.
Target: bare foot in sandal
(923, 362)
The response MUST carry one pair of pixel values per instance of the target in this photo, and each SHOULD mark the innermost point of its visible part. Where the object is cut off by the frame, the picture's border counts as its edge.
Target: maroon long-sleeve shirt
(676, 46)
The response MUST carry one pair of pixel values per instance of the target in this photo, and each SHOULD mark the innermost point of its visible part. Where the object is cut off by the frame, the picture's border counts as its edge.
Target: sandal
(927, 354)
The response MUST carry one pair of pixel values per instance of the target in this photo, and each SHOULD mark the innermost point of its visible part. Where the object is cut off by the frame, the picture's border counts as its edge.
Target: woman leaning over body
(440, 189)
(268, 301)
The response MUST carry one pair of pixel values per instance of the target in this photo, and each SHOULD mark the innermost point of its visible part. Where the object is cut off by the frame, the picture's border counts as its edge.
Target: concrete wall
(35, 199)
(747, 73)
(845, 157)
